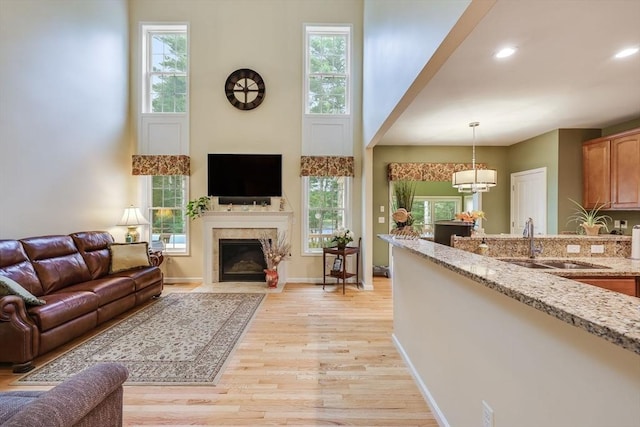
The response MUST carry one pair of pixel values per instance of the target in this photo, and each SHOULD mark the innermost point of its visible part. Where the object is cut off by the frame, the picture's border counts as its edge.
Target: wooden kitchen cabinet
(625, 285)
(596, 169)
(611, 171)
(625, 171)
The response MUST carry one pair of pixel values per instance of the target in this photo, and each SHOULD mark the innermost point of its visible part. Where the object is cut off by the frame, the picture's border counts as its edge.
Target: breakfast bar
(482, 336)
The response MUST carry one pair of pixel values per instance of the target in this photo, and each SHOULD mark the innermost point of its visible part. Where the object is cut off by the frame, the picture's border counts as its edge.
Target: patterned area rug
(182, 339)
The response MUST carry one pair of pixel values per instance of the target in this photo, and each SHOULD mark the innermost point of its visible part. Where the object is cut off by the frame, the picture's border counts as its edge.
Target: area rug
(182, 339)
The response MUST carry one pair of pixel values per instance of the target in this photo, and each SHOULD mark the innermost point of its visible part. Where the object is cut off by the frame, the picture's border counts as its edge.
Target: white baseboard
(428, 397)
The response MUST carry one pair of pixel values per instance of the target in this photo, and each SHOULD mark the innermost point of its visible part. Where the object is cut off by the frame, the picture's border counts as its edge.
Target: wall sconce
(131, 219)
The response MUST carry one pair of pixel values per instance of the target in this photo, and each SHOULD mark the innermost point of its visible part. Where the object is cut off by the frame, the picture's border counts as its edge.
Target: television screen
(245, 175)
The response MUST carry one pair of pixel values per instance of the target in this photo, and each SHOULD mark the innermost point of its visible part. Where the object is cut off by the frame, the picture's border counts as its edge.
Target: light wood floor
(310, 357)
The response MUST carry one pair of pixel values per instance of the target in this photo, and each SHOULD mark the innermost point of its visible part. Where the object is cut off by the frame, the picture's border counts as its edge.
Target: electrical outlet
(487, 415)
(616, 223)
(597, 249)
(623, 224)
(380, 220)
(573, 249)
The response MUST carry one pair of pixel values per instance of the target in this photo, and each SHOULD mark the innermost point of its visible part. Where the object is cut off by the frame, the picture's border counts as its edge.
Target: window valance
(327, 166)
(160, 164)
(427, 171)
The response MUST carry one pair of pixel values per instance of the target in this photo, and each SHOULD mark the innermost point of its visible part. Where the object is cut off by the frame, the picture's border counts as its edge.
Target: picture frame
(337, 265)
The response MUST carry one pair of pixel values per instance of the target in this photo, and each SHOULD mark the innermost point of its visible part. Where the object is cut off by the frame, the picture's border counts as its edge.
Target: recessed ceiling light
(505, 52)
(627, 52)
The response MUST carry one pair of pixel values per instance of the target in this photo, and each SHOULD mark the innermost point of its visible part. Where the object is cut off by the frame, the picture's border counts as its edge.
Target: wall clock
(245, 89)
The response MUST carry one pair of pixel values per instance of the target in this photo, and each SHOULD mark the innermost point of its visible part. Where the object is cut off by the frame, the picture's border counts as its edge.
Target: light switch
(380, 220)
(381, 208)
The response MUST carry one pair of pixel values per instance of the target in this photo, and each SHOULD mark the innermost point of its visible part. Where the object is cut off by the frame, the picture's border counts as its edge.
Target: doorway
(529, 200)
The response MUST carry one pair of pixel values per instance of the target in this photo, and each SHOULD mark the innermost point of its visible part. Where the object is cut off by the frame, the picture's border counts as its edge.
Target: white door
(529, 200)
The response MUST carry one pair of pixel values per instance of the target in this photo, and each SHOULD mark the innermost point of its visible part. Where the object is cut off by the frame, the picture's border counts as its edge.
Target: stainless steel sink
(555, 264)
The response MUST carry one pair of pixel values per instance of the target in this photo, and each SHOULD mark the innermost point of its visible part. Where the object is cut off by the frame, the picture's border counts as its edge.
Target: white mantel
(239, 223)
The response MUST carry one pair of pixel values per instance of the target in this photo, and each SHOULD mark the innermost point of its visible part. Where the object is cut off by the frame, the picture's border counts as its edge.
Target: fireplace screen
(241, 260)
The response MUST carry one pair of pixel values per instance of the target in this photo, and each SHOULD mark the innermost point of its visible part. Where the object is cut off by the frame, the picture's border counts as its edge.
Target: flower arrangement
(342, 236)
(472, 216)
(275, 251)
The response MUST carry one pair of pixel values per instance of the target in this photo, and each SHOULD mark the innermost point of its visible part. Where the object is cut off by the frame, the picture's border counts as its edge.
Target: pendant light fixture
(474, 180)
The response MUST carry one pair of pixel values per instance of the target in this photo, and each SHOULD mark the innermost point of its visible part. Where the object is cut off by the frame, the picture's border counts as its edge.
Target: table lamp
(132, 218)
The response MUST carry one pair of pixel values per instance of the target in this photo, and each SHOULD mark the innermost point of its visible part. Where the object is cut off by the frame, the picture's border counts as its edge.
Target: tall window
(426, 210)
(164, 105)
(327, 69)
(326, 205)
(167, 212)
(165, 68)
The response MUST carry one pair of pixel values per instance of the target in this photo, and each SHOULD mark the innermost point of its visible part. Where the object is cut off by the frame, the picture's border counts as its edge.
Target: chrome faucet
(528, 232)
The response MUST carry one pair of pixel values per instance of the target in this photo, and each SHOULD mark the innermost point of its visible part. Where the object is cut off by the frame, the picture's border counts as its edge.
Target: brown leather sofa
(71, 274)
(90, 398)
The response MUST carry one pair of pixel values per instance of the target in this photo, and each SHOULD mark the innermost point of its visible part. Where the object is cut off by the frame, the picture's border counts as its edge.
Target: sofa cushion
(56, 261)
(62, 307)
(125, 256)
(94, 248)
(11, 287)
(108, 289)
(15, 264)
(143, 277)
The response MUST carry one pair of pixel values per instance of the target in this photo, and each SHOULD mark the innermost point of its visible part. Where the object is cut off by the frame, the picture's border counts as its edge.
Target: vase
(271, 277)
(341, 246)
(591, 230)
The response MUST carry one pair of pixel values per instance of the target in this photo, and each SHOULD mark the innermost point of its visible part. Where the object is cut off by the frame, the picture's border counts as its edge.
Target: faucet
(528, 232)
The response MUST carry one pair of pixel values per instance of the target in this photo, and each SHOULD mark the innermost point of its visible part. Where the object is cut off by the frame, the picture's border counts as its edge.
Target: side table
(343, 274)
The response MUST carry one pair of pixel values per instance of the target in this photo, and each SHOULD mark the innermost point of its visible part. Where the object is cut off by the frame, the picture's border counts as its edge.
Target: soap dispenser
(483, 248)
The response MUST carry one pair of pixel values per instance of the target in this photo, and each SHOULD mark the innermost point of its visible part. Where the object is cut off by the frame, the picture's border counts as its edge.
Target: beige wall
(64, 134)
(268, 37)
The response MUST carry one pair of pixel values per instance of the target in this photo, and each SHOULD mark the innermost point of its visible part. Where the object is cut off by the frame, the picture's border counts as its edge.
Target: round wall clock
(244, 89)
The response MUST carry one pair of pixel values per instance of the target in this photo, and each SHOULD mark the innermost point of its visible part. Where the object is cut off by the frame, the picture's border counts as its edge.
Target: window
(165, 67)
(326, 202)
(167, 212)
(327, 70)
(427, 210)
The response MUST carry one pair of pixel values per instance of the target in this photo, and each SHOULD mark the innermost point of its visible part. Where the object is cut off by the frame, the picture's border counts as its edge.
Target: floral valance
(427, 171)
(327, 166)
(159, 164)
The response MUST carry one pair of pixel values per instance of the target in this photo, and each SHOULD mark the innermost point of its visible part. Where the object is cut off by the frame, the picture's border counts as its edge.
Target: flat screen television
(244, 178)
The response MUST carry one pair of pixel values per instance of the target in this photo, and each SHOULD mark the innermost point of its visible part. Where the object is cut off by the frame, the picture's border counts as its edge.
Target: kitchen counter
(609, 315)
(535, 347)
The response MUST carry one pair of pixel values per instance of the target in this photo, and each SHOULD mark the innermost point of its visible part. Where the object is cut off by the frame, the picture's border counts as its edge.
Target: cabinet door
(596, 171)
(624, 285)
(625, 172)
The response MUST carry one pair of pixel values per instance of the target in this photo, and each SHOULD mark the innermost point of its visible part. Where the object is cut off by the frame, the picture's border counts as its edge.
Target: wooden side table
(341, 254)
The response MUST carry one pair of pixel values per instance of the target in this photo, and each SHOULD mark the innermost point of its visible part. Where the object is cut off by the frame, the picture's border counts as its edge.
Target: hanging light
(474, 180)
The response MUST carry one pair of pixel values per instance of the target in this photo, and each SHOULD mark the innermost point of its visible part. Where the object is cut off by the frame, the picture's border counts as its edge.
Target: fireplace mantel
(240, 223)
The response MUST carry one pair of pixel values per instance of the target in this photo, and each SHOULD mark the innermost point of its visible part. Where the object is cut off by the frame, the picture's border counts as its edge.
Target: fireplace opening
(241, 260)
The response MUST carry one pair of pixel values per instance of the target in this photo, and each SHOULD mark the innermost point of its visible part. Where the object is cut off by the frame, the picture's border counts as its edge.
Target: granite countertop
(609, 266)
(612, 316)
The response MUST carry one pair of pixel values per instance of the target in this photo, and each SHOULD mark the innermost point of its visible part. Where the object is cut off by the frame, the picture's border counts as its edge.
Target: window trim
(348, 210)
(148, 197)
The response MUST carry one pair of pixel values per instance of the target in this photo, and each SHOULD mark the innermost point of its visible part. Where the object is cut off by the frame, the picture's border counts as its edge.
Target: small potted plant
(590, 221)
(197, 207)
(342, 236)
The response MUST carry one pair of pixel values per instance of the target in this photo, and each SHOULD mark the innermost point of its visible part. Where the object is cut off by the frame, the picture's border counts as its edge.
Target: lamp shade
(475, 180)
(132, 216)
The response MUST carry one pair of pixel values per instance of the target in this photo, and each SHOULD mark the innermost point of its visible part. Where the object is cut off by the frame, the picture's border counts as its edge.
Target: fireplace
(241, 260)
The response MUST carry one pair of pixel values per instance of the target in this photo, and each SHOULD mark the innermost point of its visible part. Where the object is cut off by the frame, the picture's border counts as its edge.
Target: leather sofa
(90, 398)
(72, 275)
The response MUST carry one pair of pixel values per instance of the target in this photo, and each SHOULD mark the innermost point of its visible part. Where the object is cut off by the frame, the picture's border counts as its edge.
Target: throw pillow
(125, 256)
(11, 287)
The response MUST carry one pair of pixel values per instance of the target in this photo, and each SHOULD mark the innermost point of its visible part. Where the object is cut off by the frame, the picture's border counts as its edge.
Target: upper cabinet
(611, 171)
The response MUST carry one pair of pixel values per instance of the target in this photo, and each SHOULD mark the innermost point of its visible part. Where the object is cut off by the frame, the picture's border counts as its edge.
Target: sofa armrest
(92, 397)
(17, 328)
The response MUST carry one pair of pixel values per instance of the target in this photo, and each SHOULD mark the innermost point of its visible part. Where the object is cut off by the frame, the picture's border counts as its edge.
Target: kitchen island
(538, 349)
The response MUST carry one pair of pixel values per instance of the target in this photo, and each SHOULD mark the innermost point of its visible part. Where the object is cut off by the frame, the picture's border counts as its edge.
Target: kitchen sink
(555, 264)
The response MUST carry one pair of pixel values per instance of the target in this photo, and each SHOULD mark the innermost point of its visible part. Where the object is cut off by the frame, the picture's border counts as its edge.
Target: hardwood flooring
(310, 357)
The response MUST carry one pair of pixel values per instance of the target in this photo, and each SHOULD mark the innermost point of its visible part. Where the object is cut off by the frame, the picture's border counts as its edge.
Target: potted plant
(591, 221)
(342, 237)
(197, 207)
